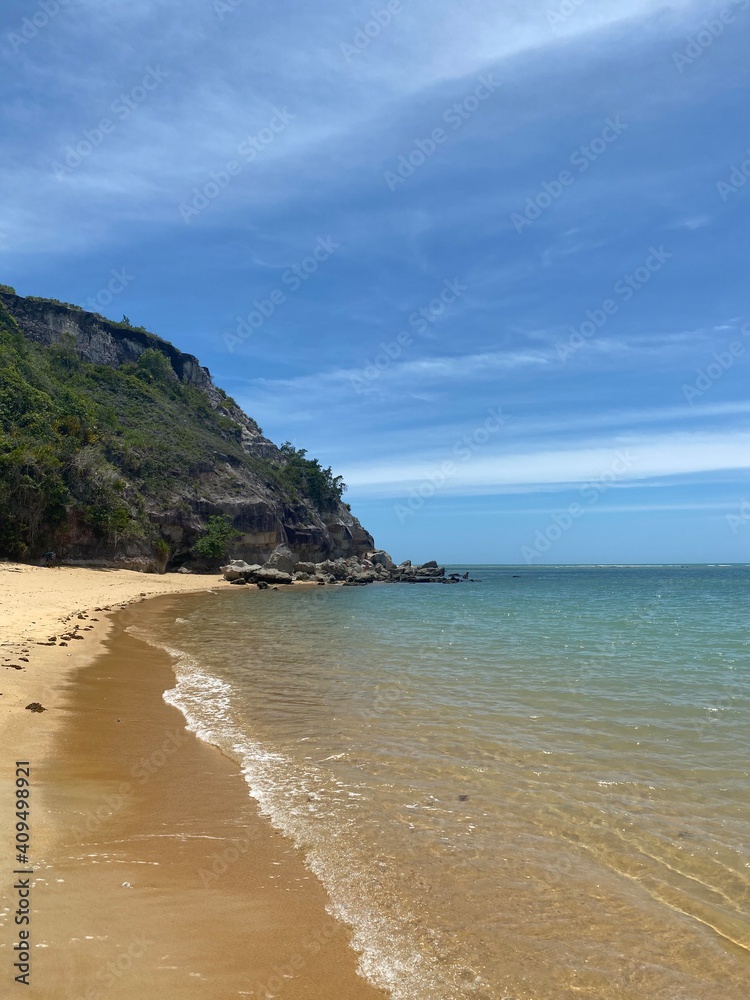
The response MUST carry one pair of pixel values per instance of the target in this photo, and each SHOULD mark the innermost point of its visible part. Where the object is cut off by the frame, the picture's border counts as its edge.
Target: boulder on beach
(268, 574)
(380, 558)
(281, 559)
(238, 568)
(306, 567)
(337, 568)
(241, 572)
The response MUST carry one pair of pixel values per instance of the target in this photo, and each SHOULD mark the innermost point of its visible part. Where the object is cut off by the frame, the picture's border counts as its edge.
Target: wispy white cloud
(494, 470)
(447, 42)
(379, 376)
(195, 121)
(458, 509)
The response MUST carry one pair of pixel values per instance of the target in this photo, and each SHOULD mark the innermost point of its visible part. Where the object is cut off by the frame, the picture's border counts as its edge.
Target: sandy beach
(38, 608)
(154, 874)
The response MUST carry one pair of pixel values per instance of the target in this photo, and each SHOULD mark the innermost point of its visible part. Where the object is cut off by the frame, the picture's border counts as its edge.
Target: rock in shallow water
(376, 567)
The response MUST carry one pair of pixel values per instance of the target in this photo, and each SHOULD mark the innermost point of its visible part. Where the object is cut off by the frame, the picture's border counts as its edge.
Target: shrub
(162, 551)
(156, 364)
(214, 545)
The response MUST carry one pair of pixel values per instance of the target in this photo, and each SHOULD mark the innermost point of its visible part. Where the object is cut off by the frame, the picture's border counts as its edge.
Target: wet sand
(154, 874)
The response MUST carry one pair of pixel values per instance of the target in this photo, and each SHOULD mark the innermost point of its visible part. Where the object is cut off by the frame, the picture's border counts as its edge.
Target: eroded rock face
(96, 339)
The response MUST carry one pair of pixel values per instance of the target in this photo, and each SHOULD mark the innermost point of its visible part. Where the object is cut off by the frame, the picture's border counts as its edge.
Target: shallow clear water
(535, 786)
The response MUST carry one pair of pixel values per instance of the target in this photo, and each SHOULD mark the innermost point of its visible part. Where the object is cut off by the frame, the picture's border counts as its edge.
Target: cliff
(117, 448)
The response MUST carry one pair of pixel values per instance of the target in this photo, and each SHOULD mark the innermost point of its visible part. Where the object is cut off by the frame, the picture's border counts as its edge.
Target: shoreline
(39, 604)
(141, 828)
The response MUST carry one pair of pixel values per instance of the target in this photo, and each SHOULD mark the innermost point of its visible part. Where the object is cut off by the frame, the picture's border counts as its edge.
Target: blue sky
(488, 260)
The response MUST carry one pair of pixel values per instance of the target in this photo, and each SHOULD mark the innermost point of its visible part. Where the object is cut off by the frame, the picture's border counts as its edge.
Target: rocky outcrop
(381, 558)
(373, 567)
(281, 560)
(238, 571)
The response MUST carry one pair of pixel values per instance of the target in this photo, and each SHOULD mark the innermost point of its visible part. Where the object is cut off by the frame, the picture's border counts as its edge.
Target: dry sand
(154, 875)
(38, 604)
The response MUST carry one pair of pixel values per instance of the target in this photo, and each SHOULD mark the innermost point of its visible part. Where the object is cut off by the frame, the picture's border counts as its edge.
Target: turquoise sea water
(534, 786)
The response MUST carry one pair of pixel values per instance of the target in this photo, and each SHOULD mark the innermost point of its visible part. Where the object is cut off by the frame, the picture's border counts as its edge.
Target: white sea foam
(292, 800)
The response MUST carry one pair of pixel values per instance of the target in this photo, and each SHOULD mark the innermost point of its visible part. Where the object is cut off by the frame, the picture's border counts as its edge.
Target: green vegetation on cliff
(307, 477)
(214, 545)
(100, 450)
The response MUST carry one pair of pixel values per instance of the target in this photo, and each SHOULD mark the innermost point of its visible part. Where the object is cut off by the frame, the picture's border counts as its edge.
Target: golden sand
(154, 875)
(37, 605)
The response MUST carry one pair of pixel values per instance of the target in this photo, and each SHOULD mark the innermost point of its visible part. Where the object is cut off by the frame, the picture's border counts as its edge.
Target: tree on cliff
(304, 475)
